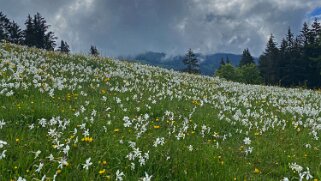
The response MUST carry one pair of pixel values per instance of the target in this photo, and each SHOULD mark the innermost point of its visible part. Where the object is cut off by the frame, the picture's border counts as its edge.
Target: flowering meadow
(74, 117)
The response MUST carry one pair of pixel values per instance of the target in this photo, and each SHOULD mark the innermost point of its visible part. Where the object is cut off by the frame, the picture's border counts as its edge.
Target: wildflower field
(73, 117)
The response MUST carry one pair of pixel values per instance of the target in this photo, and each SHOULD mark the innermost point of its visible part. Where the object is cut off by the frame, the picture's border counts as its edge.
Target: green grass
(270, 116)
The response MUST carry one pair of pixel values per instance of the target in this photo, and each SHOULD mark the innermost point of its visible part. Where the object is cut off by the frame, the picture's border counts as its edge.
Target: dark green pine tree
(314, 31)
(29, 35)
(283, 71)
(246, 58)
(316, 28)
(50, 41)
(298, 64)
(191, 62)
(304, 36)
(93, 51)
(64, 47)
(15, 33)
(4, 24)
(290, 38)
(314, 56)
(286, 61)
(268, 62)
(10, 31)
(37, 34)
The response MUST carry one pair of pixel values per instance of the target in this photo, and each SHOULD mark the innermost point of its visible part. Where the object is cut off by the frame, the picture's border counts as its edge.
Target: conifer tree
(304, 37)
(29, 36)
(15, 34)
(64, 47)
(191, 62)
(268, 62)
(246, 58)
(9, 30)
(93, 51)
(37, 34)
(316, 29)
(3, 26)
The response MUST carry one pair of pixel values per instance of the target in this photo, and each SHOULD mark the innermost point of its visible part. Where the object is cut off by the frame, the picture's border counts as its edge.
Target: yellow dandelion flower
(156, 126)
(106, 79)
(101, 172)
(256, 170)
(90, 139)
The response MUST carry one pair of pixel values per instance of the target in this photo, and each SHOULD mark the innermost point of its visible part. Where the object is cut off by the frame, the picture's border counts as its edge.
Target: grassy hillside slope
(71, 117)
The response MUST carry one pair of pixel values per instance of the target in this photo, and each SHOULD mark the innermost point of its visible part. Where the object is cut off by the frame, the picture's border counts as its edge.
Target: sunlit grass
(203, 122)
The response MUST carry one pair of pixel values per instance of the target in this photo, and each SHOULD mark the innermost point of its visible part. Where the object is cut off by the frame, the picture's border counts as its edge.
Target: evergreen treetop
(246, 58)
(191, 62)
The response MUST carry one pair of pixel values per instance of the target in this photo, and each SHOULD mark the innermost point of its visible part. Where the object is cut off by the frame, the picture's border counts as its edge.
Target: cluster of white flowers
(249, 149)
(2, 152)
(303, 174)
(136, 153)
(141, 88)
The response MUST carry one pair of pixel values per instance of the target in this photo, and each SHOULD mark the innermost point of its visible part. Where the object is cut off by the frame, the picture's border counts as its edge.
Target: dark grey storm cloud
(123, 27)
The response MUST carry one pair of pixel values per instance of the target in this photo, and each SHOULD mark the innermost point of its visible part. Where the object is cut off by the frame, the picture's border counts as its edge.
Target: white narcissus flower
(21, 179)
(87, 164)
(3, 154)
(159, 141)
(2, 143)
(2, 123)
(119, 175)
(31, 126)
(132, 166)
(247, 141)
(66, 150)
(37, 153)
(43, 178)
(248, 150)
(39, 167)
(62, 162)
(51, 157)
(147, 177)
(296, 167)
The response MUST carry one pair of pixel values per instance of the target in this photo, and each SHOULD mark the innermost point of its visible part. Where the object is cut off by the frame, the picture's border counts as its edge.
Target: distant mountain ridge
(208, 63)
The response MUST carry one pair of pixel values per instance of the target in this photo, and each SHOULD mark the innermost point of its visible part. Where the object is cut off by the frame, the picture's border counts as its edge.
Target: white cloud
(121, 27)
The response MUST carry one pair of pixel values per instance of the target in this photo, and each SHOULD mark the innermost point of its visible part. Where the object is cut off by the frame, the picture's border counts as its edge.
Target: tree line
(36, 34)
(296, 62)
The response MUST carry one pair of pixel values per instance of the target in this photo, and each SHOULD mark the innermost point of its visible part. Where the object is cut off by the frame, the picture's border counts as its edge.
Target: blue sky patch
(315, 12)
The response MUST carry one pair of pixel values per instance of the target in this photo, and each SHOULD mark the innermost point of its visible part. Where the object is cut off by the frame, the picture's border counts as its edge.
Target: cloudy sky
(127, 27)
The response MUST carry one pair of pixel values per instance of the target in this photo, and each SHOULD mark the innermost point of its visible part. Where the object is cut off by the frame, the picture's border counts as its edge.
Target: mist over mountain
(208, 63)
